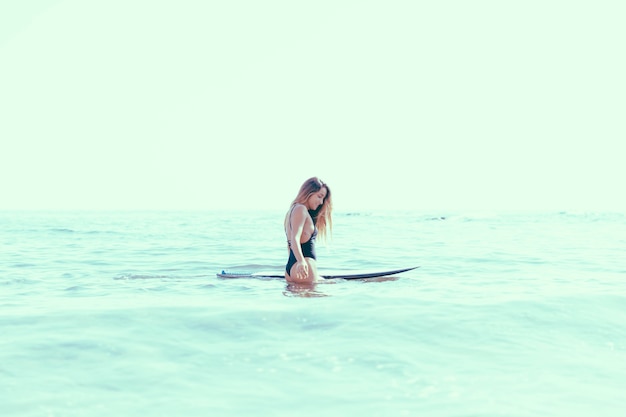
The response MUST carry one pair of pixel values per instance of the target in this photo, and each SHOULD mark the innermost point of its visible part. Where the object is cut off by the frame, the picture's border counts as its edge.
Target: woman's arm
(298, 219)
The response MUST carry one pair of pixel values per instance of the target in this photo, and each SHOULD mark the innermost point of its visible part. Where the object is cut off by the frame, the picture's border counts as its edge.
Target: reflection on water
(312, 289)
(303, 290)
(379, 279)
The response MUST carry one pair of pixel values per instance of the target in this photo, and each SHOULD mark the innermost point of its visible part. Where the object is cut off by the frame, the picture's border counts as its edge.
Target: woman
(309, 214)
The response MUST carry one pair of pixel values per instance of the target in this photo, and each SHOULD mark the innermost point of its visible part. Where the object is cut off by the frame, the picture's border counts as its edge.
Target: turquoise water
(120, 313)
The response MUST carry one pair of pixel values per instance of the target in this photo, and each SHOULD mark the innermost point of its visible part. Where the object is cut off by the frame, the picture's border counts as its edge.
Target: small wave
(594, 216)
(253, 267)
(23, 265)
(103, 232)
(128, 277)
(62, 230)
(86, 232)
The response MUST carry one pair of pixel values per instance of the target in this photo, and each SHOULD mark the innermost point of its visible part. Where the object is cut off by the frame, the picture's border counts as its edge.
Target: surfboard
(330, 274)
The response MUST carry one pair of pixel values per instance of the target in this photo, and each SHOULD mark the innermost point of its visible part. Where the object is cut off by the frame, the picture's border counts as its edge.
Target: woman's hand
(301, 270)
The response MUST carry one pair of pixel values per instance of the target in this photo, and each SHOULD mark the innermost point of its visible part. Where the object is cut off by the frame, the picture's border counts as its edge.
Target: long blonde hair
(322, 217)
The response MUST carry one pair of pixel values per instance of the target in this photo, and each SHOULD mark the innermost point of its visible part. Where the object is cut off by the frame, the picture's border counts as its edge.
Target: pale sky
(181, 104)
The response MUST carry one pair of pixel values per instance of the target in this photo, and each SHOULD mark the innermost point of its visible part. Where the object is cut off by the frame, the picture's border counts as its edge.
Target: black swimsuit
(308, 247)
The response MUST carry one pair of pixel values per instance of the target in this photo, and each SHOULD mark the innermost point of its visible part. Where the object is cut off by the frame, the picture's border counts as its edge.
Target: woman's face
(316, 199)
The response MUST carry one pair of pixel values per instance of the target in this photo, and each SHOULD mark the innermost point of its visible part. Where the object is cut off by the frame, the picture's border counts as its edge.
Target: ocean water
(121, 314)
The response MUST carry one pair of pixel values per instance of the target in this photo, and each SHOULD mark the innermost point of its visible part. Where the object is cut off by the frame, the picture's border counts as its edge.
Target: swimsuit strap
(290, 213)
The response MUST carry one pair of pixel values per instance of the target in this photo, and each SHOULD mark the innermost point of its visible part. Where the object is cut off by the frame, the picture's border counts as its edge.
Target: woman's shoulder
(298, 209)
